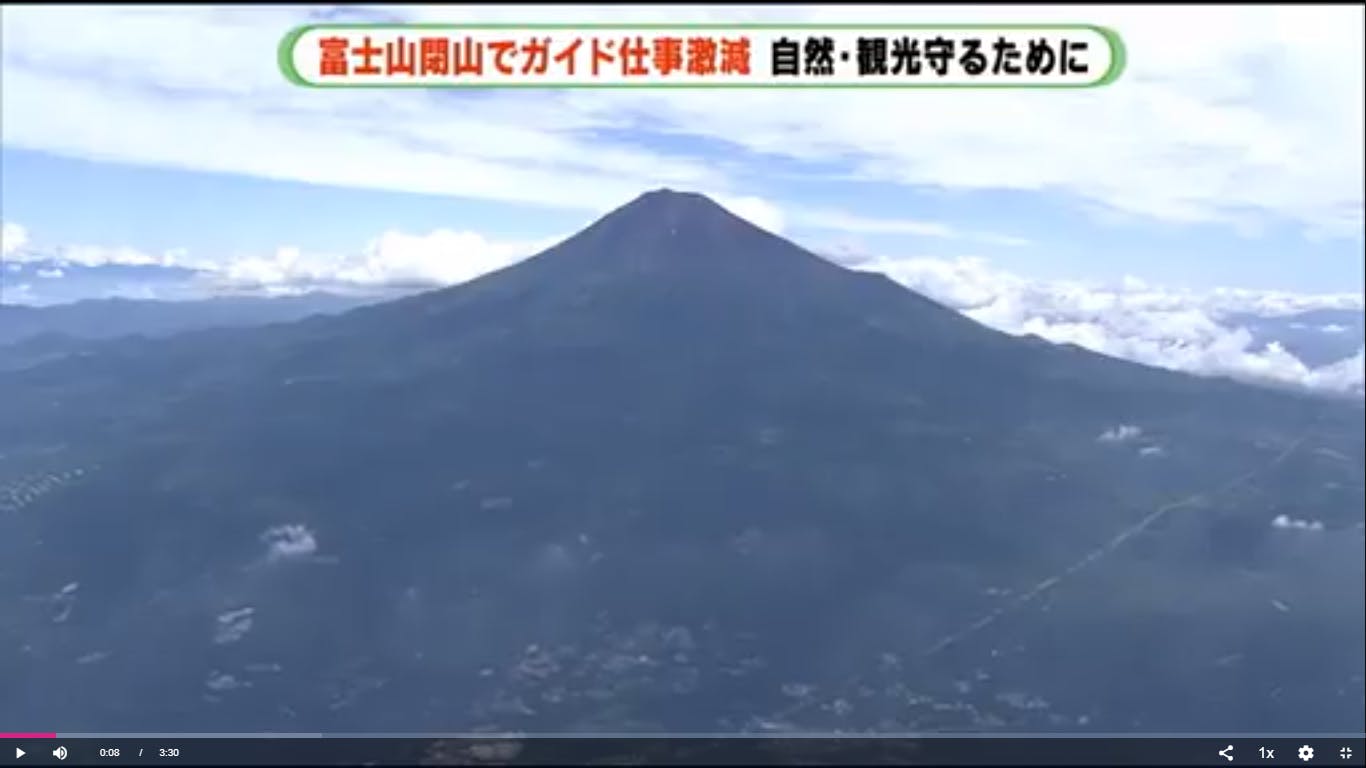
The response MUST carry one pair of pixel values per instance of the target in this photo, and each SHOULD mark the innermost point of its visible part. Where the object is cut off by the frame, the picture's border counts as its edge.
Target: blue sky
(1223, 172)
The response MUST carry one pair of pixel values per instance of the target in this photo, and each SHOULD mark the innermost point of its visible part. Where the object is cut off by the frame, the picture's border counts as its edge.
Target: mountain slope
(674, 473)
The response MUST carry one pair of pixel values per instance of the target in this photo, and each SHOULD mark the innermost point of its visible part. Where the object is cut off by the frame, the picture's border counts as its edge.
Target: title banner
(702, 56)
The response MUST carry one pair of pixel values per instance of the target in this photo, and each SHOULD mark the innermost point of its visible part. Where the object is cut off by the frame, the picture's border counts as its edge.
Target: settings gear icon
(1306, 753)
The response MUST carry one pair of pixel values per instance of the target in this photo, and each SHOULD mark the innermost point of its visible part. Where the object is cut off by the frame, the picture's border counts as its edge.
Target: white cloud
(393, 258)
(1343, 376)
(442, 257)
(222, 681)
(1277, 303)
(233, 625)
(1120, 434)
(1238, 115)
(1286, 522)
(13, 237)
(757, 211)
(1171, 328)
(96, 256)
(20, 248)
(290, 541)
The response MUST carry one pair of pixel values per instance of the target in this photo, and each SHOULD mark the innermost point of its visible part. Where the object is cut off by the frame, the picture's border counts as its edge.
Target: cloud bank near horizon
(1179, 329)
(1196, 331)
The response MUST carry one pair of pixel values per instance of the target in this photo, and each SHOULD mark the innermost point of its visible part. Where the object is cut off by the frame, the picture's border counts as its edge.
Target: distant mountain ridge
(1316, 337)
(674, 474)
(110, 318)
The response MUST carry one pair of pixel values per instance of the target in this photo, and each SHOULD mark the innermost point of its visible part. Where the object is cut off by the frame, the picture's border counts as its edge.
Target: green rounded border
(1118, 56)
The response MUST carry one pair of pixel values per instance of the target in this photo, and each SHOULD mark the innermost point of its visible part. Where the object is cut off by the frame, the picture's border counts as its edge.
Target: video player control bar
(499, 750)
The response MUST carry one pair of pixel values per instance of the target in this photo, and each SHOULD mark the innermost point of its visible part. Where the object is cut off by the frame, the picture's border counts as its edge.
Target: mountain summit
(667, 214)
(671, 209)
(673, 474)
(665, 226)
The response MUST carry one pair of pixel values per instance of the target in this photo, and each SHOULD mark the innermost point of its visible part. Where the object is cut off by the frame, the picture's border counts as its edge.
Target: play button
(18, 753)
